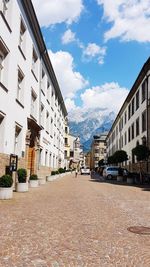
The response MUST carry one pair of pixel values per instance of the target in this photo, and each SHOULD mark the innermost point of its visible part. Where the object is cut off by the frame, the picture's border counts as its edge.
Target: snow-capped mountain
(86, 123)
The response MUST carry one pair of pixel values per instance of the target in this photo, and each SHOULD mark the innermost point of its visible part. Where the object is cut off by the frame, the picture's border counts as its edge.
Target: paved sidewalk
(75, 222)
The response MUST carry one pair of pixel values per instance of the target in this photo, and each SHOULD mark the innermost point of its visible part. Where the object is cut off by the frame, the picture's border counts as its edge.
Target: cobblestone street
(75, 222)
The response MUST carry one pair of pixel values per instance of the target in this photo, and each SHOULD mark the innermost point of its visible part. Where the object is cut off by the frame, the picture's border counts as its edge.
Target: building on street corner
(132, 124)
(32, 109)
(98, 149)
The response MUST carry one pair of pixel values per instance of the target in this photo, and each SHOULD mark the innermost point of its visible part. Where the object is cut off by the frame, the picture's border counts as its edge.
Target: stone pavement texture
(75, 222)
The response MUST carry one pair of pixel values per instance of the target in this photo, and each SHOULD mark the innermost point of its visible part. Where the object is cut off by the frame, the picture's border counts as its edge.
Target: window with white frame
(20, 86)
(129, 111)
(125, 117)
(43, 77)
(34, 62)
(46, 154)
(132, 105)
(55, 119)
(42, 115)
(2, 130)
(47, 121)
(144, 121)
(137, 127)
(129, 134)
(144, 90)
(132, 128)
(50, 159)
(3, 54)
(33, 104)
(137, 100)
(48, 91)
(52, 99)
(125, 138)
(22, 36)
(17, 142)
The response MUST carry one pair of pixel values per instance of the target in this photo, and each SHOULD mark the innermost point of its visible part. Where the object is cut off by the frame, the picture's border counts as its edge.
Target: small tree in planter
(61, 170)
(119, 157)
(101, 163)
(34, 180)
(111, 160)
(130, 178)
(142, 153)
(120, 175)
(6, 190)
(22, 185)
(22, 175)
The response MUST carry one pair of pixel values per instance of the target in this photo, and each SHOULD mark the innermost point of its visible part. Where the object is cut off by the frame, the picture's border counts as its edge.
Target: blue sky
(97, 48)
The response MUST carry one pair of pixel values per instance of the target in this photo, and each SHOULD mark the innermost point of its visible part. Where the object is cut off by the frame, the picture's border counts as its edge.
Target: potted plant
(142, 153)
(120, 175)
(6, 189)
(42, 180)
(51, 177)
(22, 185)
(130, 178)
(34, 180)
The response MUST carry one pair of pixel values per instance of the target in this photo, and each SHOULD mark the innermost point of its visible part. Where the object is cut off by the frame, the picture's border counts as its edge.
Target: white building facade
(32, 110)
(132, 124)
(98, 149)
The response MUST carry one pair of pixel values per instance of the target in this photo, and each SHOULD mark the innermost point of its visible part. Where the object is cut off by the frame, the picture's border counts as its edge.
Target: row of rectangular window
(132, 107)
(132, 131)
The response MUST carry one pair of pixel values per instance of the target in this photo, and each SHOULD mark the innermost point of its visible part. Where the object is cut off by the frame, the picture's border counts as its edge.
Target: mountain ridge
(89, 123)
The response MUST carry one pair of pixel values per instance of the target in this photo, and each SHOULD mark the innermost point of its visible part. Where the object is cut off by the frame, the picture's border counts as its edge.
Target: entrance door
(31, 160)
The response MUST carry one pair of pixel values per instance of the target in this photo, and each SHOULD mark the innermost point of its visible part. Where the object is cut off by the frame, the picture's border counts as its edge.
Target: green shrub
(61, 170)
(6, 181)
(22, 175)
(33, 177)
(56, 172)
(53, 173)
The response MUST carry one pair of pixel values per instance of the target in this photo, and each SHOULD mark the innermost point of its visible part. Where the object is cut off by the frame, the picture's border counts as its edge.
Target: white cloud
(93, 50)
(109, 96)
(70, 104)
(98, 101)
(130, 19)
(70, 81)
(50, 12)
(68, 37)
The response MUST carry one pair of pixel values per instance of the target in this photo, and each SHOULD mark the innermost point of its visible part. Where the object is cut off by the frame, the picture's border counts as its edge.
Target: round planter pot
(42, 181)
(22, 187)
(34, 183)
(49, 178)
(119, 178)
(6, 193)
(129, 180)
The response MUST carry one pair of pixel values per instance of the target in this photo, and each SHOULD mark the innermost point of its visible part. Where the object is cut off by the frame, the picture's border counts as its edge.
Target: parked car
(85, 170)
(111, 172)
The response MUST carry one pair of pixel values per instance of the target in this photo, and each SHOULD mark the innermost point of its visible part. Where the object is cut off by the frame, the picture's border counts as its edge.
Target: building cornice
(34, 25)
